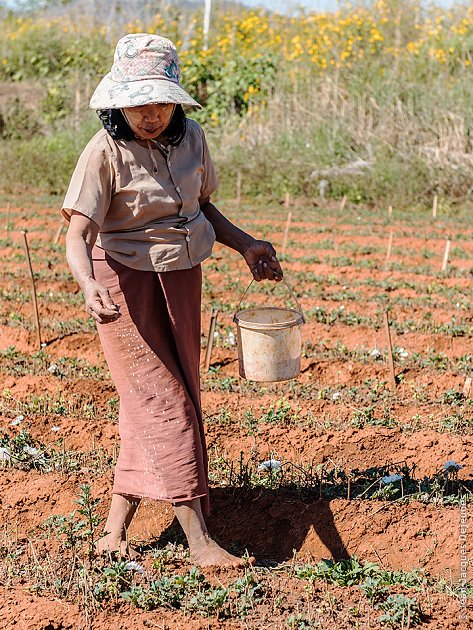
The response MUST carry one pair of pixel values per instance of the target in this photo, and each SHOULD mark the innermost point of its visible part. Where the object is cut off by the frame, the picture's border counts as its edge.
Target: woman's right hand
(98, 302)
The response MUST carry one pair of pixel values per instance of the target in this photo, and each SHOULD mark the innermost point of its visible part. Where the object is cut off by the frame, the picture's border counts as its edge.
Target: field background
(376, 100)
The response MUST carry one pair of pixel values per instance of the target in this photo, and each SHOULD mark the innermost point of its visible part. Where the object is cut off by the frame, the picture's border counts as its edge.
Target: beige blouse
(146, 201)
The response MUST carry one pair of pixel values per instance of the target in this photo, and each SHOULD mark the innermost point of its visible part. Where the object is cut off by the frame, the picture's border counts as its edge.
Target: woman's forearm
(79, 258)
(225, 231)
(80, 239)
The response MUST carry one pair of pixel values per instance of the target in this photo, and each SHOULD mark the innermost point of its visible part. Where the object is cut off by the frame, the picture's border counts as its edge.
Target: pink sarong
(153, 353)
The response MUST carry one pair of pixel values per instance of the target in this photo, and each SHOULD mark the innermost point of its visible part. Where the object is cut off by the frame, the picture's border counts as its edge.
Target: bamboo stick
(58, 233)
(390, 211)
(343, 203)
(33, 288)
(390, 246)
(392, 375)
(286, 232)
(210, 339)
(446, 255)
(435, 206)
(467, 386)
(286, 200)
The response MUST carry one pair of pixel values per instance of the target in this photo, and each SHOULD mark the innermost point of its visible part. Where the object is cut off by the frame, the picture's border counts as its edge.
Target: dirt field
(338, 430)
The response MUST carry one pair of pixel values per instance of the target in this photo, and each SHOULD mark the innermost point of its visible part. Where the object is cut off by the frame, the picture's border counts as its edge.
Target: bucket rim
(297, 321)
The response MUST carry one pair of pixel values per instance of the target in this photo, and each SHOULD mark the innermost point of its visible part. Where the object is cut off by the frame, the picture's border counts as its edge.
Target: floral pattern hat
(145, 70)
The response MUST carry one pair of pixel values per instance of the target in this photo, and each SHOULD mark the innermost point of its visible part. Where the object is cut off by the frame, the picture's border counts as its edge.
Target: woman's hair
(115, 123)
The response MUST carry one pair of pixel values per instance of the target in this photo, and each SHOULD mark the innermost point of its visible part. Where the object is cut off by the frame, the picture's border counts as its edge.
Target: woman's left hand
(261, 258)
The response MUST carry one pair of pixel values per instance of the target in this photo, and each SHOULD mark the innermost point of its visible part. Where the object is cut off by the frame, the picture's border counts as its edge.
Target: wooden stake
(58, 233)
(390, 245)
(238, 187)
(286, 232)
(392, 376)
(33, 288)
(435, 206)
(390, 211)
(286, 200)
(446, 255)
(467, 386)
(343, 203)
(210, 339)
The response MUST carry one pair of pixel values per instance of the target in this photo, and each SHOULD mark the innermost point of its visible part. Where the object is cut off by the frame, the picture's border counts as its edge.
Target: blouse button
(188, 238)
(178, 189)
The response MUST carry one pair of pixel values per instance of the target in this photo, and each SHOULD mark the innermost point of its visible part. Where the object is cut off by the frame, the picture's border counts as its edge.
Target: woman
(141, 222)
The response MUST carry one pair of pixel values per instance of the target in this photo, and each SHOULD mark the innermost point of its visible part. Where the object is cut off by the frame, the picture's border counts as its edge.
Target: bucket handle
(288, 286)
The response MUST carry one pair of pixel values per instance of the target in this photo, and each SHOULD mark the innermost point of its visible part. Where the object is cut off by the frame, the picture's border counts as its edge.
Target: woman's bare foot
(111, 544)
(204, 551)
(207, 553)
(119, 518)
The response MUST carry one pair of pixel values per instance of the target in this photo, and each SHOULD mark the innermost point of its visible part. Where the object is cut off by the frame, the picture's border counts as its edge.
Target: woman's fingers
(98, 302)
(107, 302)
(262, 260)
(257, 271)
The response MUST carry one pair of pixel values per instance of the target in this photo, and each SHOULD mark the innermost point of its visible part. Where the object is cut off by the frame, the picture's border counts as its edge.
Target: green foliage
(299, 622)
(43, 50)
(45, 162)
(18, 122)
(57, 102)
(344, 572)
(224, 89)
(373, 582)
(193, 593)
(400, 611)
(23, 451)
(78, 533)
(115, 579)
(280, 413)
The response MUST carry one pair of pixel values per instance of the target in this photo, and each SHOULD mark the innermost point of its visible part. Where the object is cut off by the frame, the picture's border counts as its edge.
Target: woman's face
(149, 121)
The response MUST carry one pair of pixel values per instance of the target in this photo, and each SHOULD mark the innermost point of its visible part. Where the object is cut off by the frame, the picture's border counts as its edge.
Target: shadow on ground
(269, 523)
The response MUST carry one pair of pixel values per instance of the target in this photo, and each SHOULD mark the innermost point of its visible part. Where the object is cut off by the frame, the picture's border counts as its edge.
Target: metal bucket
(269, 342)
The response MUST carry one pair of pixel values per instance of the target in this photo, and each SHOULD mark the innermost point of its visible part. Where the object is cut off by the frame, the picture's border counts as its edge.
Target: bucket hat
(145, 70)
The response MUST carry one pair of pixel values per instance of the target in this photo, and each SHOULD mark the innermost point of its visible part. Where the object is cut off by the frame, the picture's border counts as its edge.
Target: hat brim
(110, 94)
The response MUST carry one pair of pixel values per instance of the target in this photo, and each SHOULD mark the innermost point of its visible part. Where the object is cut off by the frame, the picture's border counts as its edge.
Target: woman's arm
(260, 256)
(80, 238)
